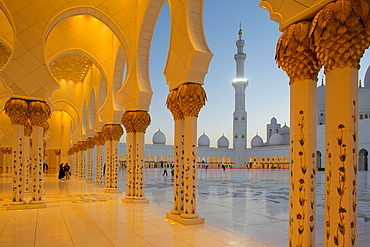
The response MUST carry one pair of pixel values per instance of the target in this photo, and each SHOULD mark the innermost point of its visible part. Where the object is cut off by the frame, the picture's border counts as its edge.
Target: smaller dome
(285, 129)
(203, 141)
(276, 139)
(257, 141)
(159, 138)
(273, 120)
(223, 142)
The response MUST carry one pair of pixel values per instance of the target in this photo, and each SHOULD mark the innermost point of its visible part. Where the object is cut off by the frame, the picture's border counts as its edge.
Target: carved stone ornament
(27, 128)
(4, 150)
(173, 105)
(70, 151)
(191, 98)
(128, 121)
(81, 146)
(99, 139)
(142, 121)
(112, 132)
(39, 113)
(341, 33)
(90, 143)
(58, 151)
(295, 54)
(17, 111)
(75, 148)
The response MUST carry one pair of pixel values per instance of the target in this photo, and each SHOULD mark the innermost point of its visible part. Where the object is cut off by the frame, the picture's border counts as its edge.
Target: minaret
(240, 115)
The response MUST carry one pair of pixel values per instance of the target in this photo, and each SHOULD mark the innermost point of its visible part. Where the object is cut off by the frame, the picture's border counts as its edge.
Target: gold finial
(240, 30)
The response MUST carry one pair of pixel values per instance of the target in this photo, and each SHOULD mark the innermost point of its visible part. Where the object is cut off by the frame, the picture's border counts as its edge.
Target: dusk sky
(267, 95)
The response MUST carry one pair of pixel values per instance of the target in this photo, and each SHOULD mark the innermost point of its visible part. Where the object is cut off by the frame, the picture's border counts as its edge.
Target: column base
(135, 200)
(112, 190)
(184, 221)
(90, 182)
(175, 212)
(26, 206)
(99, 185)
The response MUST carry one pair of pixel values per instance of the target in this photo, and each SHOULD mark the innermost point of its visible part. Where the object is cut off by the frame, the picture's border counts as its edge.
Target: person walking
(67, 172)
(61, 171)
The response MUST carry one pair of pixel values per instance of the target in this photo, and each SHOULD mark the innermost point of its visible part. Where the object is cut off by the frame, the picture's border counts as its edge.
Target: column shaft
(302, 211)
(341, 157)
(130, 161)
(99, 165)
(17, 150)
(179, 168)
(139, 166)
(37, 162)
(190, 140)
(26, 162)
(90, 165)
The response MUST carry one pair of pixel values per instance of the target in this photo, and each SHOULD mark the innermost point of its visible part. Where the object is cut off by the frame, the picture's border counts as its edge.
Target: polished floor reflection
(240, 207)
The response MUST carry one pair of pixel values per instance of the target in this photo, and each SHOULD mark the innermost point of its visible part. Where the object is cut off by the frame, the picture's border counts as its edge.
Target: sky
(267, 94)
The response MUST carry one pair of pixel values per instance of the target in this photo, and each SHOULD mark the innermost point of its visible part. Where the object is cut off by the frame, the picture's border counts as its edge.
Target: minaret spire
(240, 115)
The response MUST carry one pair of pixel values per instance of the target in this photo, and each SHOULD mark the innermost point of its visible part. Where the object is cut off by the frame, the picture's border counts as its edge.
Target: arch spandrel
(287, 12)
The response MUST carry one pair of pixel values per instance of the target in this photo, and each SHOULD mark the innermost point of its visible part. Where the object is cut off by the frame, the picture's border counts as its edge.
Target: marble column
(190, 98)
(135, 123)
(90, 144)
(295, 55)
(112, 133)
(341, 35)
(76, 161)
(100, 141)
(178, 185)
(17, 111)
(82, 147)
(27, 156)
(5, 166)
(39, 112)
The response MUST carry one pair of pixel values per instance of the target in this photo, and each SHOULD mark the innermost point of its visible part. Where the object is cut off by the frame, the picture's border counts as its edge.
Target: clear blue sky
(267, 95)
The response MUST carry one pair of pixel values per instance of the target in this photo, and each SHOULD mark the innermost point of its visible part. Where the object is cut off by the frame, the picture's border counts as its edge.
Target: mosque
(272, 153)
(75, 74)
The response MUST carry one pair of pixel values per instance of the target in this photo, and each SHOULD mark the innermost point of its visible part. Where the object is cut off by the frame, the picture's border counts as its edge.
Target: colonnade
(268, 162)
(336, 39)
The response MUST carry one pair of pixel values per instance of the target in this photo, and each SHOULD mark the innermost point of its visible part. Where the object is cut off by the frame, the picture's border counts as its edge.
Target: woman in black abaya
(61, 171)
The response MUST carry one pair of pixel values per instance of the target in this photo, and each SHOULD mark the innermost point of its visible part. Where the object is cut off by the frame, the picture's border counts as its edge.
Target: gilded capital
(75, 148)
(9, 150)
(4, 150)
(341, 33)
(70, 151)
(58, 151)
(17, 111)
(173, 105)
(81, 146)
(39, 113)
(191, 98)
(128, 121)
(90, 143)
(295, 54)
(142, 121)
(99, 139)
(112, 132)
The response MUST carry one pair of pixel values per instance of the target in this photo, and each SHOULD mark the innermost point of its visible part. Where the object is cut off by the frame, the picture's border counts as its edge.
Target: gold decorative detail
(90, 143)
(4, 150)
(58, 151)
(39, 113)
(81, 146)
(75, 148)
(136, 121)
(99, 139)
(10, 150)
(27, 128)
(341, 33)
(17, 111)
(71, 67)
(295, 54)
(112, 132)
(191, 98)
(70, 151)
(173, 106)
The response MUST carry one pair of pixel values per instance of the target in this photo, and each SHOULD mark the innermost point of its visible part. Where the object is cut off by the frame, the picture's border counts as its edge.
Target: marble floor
(240, 207)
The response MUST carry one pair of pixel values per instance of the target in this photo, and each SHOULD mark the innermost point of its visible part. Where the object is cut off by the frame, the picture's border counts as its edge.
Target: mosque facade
(270, 153)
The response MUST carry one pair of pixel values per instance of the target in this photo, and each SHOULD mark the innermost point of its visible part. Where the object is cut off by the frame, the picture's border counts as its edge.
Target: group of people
(64, 171)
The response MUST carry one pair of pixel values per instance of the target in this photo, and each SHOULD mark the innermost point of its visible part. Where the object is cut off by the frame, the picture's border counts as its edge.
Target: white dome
(223, 142)
(159, 138)
(257, 141)
(204, 141)
(276, 139)
(367, 78)
(285, 129)
(363, 101)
